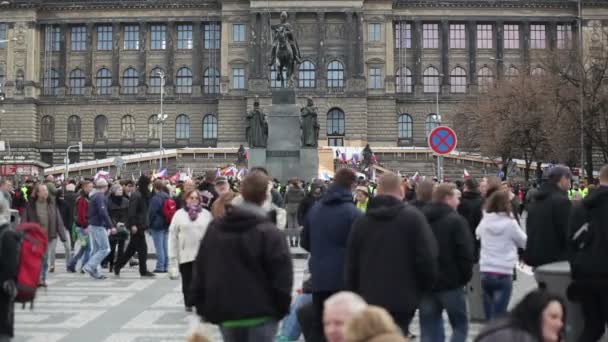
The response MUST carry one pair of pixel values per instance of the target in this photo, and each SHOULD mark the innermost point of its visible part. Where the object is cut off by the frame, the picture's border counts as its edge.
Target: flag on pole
(161, 174)
(466, 174)
(175, 177)
(102, 174)
(218, 173)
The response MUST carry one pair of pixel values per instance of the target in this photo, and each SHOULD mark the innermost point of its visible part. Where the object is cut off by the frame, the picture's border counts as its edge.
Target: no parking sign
(442, 140)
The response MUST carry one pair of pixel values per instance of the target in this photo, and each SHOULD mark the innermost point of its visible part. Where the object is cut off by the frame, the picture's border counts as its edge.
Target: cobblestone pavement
(76, 308)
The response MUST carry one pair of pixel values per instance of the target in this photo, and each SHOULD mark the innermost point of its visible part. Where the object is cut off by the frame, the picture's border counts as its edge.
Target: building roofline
(497, 3)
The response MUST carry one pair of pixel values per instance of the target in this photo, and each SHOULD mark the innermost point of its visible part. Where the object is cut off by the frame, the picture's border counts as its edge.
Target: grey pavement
(76, 308)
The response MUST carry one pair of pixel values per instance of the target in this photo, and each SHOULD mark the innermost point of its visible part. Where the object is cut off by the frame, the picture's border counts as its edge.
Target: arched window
(512, 73)
(430, 77)
(127, 127)
(155, 81)
(431, 122)
(538, 72)
(209, 127)
(211, 81)
(77, 82)
(103, 82)
(47, 128)
(335, 75)
(335, 127)
(184, 81)
(274, 83)
(153, 127)
(130, 81)
(74, 128)
(182, 127)
(458, 80)
(101, 127)
(307, 75)
(406, 127)
(403, 80)
(485, 79)
(51, 82)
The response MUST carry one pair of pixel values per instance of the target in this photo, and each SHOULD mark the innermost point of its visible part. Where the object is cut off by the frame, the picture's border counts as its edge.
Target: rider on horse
(290, 37)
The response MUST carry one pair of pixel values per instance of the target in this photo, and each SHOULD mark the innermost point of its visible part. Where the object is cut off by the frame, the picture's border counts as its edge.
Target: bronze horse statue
(285, 59)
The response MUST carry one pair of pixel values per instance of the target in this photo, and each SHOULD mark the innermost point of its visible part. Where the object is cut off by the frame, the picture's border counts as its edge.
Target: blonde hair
(370, 323)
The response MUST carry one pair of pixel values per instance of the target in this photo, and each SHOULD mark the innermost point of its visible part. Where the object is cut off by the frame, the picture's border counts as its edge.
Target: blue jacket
(98, 211)
(325, 235)
(155, 212)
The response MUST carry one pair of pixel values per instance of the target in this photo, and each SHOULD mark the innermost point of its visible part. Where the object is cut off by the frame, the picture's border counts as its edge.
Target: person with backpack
(9, 259)
(81, 211)
(162, 209)
(589, 238)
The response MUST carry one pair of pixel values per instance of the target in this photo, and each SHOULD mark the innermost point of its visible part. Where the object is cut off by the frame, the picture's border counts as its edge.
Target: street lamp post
(438, 120)
(581, 93)
(67, 158)
(161, 117)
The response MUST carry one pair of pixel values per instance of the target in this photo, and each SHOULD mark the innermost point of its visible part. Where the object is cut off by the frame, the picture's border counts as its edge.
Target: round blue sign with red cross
(442, 140)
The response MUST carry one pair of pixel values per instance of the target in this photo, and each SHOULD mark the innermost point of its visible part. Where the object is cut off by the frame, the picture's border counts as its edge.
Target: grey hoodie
(500, 237)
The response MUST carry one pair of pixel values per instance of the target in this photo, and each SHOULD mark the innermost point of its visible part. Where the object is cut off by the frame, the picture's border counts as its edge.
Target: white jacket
(500, 237)
(185, 236)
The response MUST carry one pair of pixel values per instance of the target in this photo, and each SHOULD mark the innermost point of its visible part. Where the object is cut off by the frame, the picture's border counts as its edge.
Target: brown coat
(56, 226)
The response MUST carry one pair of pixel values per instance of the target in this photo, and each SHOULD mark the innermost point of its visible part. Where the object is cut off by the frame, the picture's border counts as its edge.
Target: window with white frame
(183, 81)
(406, 125)
(564, 36)
(403, 80)
(430, 77)
(430, 36)
(238, 33)
(458, 80)
(403, 35)
(77, 80)
(184, 37)
(335, 75)
(211, 81)
(375, 78)
(104, 37)
(457, 36)
(212, 35)
(374, 32)
(154, 81)
(307, 75)
(484, 36)
(103, 82)
(538, 37)
(130, 81)
(131, 41)
(238, 78)
(78, 38)
(158, 34)
(511, 36)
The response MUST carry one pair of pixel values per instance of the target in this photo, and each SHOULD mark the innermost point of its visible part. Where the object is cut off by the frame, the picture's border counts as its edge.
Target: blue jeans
(291, 330)
(261, 333)
(496, 294)
(100, 248)
(431, 319)
(83, 252)
(160, 238)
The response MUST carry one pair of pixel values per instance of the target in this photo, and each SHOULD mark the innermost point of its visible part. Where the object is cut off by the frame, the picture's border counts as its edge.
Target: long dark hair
(527, 314)
(143, 185)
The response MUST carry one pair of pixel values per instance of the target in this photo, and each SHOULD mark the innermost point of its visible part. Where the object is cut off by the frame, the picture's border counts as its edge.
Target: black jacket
(547, 226)
(243, 269)
(212, 194)
(138, 212)
(391, 258)
(8, 271)
(70, 201)
(589, 263)
(456, 256)
(471, 209)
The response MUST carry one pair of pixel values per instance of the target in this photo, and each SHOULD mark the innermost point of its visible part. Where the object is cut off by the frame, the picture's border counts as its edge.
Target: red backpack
(169, 210)
(33, 243)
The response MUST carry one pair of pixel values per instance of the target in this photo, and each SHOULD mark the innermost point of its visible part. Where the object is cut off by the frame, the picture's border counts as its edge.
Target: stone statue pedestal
(284, 156)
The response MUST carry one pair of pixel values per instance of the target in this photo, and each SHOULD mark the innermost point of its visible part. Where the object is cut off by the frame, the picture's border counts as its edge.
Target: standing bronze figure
(285, 51)
(257, 127)
(310, 124)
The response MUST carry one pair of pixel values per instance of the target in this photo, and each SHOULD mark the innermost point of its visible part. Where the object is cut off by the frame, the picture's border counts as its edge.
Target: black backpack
(589, 248)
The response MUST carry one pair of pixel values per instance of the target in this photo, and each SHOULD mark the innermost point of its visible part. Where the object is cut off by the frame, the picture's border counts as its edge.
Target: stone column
(389, 73)
(265, 46)
(116, 34)
(552, 35)
(472, 41)
(254, 44)
(350, 36)
(525, 46)
(197, 62)
(417, 49)
(90, 70)
(143, 48)
(500, 49)
(445, 52)
(223, 55)
(359, 58)
(63, 63)
(321, 62)
(170, 72)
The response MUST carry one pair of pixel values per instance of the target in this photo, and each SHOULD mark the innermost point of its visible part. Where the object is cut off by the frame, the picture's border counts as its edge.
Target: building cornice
(67, 5)
(497, 3)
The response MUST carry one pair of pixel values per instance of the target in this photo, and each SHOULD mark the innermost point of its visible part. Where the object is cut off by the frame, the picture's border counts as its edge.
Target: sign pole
(442, 141)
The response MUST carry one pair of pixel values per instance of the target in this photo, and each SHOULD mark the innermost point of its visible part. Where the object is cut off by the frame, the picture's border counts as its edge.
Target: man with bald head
(391, 254)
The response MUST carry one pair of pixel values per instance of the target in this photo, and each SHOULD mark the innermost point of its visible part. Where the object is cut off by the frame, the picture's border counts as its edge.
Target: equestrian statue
(285, 51)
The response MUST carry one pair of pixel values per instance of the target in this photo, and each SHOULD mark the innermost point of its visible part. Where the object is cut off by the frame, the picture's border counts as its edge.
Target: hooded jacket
(325, 235)
(500, 236)
(243, 269)
(470, 208)
(547, 226)
(391, 256)
(455, 242)
(155, 213)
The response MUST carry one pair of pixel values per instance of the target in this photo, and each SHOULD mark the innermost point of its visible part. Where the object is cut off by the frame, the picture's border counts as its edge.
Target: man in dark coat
(547, 222)
(471, 208)
(588, 264)
(391, 254)
(456, 258)
(8, 272)
(325, 235)
(255, 294)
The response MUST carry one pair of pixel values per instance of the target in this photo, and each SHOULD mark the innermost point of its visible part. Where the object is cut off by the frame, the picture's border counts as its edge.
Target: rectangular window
(184, 37)
(403, 35)
(79, 38)
(47, 158)
(3, 35)
(374, 32)
(159, 37)
(538, 36)
(104, 38)
(336, 142)
(238, 33)
(375, 78)
(212, 34)
(53, 38)
(238, 78)
(484, 36)
(430, 36)
(457, 36)
(564, 36)
(511, 36)
(131, 37)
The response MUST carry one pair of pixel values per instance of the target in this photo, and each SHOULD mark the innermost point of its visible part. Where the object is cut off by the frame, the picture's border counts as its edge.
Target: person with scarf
(186, 231)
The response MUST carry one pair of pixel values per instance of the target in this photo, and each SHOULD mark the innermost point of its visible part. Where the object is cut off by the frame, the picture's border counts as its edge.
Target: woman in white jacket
(500, 237)
(187, 229)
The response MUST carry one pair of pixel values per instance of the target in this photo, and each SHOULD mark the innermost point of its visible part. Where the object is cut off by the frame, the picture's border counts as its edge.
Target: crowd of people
(379, 252)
